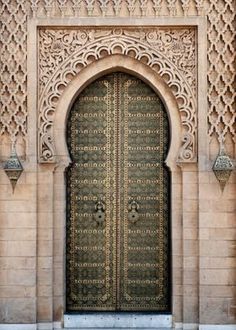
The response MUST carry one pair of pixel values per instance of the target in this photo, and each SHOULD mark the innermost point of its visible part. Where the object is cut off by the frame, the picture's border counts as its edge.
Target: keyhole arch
(114, 94)
(66, 100)
(117, 63)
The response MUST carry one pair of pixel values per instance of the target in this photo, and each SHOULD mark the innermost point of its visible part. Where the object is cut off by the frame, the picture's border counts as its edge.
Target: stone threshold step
(122, 321)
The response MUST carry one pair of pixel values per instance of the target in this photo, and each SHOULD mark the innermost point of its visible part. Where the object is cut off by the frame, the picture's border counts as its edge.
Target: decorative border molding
(170, 52)
(116, 8)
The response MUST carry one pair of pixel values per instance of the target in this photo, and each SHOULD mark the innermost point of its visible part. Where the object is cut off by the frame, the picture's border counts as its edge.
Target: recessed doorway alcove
(118, 203)
(145, 75)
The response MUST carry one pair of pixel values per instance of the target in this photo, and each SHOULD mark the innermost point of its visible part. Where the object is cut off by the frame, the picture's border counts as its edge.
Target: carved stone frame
(51, 174)
(65, 53)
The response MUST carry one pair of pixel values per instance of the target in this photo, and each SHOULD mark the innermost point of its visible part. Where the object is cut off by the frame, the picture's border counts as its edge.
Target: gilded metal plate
(118, 198)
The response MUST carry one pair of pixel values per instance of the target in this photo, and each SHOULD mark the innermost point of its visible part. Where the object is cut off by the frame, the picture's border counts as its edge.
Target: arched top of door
(104, 66)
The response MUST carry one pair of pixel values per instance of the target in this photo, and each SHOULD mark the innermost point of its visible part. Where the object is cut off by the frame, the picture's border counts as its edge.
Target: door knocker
(99, 215)
(133, 214)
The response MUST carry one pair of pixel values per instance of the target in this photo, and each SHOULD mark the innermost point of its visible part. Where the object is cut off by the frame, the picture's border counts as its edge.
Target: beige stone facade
(50, 51)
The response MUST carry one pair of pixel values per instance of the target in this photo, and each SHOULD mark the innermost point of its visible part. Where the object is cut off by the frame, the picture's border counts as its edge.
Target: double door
(117, 251)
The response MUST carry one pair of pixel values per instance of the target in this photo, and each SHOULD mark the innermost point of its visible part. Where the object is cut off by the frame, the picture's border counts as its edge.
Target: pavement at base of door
(119, 328)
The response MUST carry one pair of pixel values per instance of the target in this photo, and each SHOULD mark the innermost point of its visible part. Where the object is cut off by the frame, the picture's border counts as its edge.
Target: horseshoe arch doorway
(118, 199)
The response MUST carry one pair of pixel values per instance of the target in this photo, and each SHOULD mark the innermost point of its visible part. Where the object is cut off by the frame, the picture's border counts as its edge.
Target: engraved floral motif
(178, 46)
(170, 52)
(57, 45)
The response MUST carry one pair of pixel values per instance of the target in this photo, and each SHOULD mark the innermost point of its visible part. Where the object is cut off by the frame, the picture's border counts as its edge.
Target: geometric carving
(120, 8)
(221, 70)
(169, 52)
(13, 68)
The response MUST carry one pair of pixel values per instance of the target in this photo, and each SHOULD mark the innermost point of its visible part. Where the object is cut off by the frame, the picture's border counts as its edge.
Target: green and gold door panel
(117, 253)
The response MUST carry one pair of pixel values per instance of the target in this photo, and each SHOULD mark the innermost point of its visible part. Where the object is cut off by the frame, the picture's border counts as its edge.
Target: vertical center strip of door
(161, 211)
(108, 188)
(126, 178)
(117, 192)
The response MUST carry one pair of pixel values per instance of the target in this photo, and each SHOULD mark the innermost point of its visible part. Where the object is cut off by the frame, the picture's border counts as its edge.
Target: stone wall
(32, 219)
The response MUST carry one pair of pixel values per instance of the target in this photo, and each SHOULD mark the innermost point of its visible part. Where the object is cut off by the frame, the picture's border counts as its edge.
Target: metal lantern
(13, 168)
(222, 168)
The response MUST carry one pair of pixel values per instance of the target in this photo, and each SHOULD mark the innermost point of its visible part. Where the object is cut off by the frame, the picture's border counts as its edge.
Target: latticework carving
(170, 52)
(221, 71)
(13, 73)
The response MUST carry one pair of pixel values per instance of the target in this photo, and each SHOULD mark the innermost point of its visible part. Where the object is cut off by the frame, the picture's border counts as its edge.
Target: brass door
(117, 252)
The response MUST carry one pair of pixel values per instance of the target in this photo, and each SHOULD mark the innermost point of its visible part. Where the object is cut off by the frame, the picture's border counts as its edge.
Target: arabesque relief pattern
(170, 52)
(221, 52)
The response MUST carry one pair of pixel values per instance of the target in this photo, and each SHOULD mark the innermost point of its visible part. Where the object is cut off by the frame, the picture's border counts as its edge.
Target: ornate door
(118, 198)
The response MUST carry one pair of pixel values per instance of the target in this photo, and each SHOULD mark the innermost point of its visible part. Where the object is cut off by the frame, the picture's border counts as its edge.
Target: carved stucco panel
(221, 54)
(169, 52)
(117, 8)
(13, 74)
